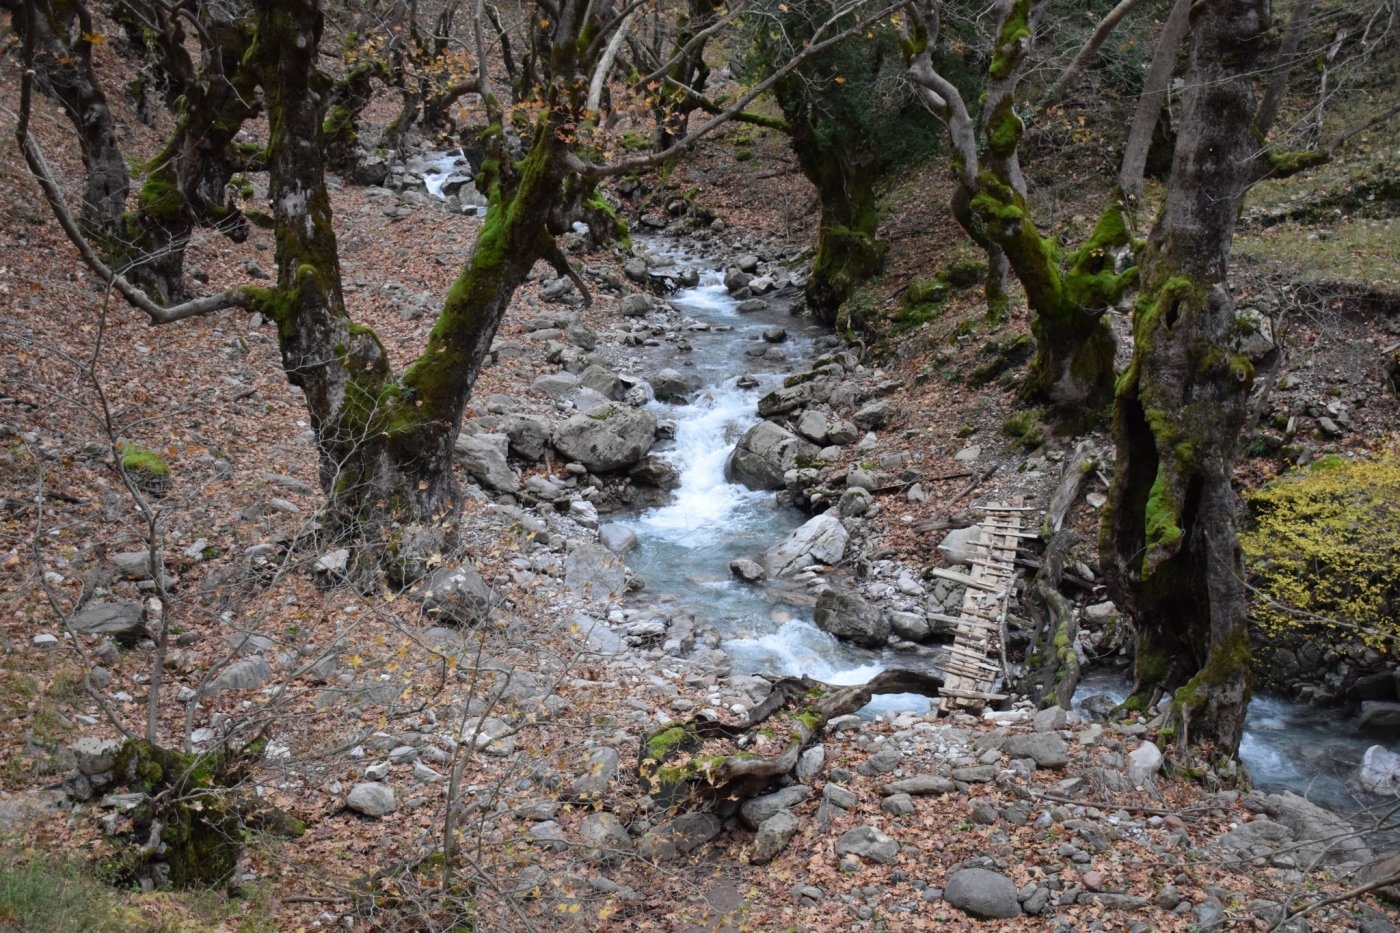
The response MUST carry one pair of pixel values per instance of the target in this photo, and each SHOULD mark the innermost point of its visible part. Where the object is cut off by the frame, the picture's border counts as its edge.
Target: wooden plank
(964, 579)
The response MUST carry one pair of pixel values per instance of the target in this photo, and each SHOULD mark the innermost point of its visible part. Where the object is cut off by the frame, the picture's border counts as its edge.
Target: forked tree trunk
(1169, 542)
(187, 183)
(385, 442)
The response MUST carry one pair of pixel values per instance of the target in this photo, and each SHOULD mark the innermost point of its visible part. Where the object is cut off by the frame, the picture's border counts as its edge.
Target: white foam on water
(706, 506)
(436, 172)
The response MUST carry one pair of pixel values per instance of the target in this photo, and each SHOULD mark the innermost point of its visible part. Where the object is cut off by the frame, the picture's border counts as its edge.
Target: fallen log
(706, 761)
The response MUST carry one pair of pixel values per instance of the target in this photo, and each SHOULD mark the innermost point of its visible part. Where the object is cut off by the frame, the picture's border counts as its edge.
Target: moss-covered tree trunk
(1072, 370)
(188, 183)
(62, 37)
(385, 442)
(1169, 541)
(848, 251)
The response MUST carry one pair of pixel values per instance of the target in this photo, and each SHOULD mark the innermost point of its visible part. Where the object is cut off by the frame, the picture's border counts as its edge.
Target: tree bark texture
(706, 761)
(63, 62)
(385, 441)
(1169, 542)
(187, 184)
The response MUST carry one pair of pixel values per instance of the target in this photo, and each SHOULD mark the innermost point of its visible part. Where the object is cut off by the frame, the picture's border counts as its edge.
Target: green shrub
(1323, 549)
(47, 897)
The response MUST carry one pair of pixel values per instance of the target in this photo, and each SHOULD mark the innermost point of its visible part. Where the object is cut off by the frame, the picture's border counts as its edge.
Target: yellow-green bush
(1323, 551)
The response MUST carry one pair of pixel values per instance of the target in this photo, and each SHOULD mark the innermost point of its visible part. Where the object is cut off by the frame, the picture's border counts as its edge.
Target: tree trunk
(385, 443)
(707, 761)
(65, 73)
(848, 251)
(1169, 543)
(187, 185)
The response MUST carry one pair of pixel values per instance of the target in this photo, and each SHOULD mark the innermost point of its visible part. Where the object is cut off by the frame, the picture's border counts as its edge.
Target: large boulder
(609, 437)
(672, 385)
(1380, 771)
(982, 893)
(847, 616)
(822, 540)
(484, 457)
(456, 595)
(765, 453)
(1321, 834)
(529, 435)
(119, 619)
(594, 571)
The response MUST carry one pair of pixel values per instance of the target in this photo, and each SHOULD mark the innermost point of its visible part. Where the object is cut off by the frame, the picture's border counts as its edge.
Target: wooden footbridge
(976, 660)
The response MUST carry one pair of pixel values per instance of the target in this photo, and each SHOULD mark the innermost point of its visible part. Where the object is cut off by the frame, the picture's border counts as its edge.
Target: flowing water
(686, 546)
(1287, 746)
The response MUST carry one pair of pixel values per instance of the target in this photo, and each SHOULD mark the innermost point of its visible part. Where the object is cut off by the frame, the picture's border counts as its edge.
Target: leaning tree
(385, 438)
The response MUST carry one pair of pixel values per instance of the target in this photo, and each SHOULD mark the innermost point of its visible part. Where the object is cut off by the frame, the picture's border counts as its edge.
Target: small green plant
(966, 430)
(744, 155)
(136, 459)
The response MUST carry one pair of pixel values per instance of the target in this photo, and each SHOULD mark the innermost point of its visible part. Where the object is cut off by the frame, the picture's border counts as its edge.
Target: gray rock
(44, 640)
(773, 837)
(1380, 771)
(1144, 762)
(775, 335)
(528, 435)
(594, 571)
(635, 305)
(95, 756)
(839, 796)
(598, 774)
(847, 616)
(248, 674)
(672, 385)
(810, 764)
(747, 570)
(609, 437)
(547, 835)
(814, 426)
(786, 399)
(333, 562)
(604, 833)
(765, 453)
(920, 785)
(1050, 719)
(898, 804)
(884, 761)
(682, 835)
(982, 893)
(1380, 716)
(372, 799)
(655, 472)
(757, 809)
(617, 538)
(1047, 748)
(750, 305)
(956, 546)
(557, 386)
(1321, 833)
(1260, 831)
(911, 626)
(603, 381)
(821, 540)
(485, 460)
(455, 595)
(119, 619)
(872, 416)
(27, 807)
(869, 843)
